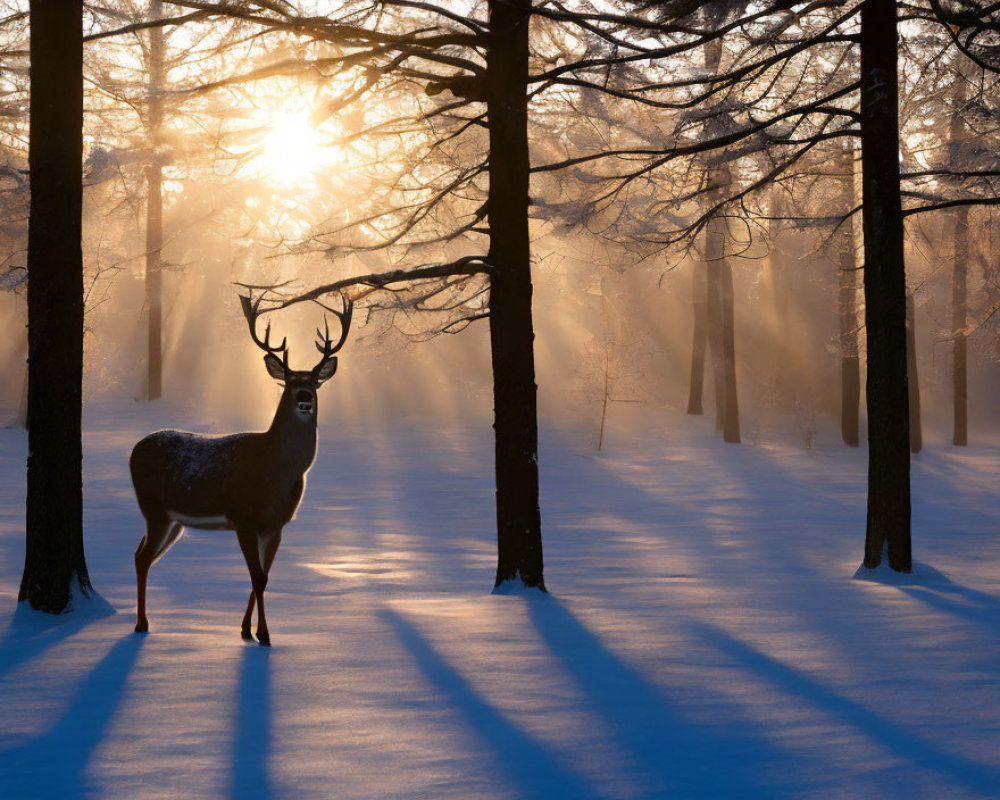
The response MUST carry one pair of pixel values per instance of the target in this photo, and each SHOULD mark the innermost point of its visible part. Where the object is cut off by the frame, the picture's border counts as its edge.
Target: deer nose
(302, 396)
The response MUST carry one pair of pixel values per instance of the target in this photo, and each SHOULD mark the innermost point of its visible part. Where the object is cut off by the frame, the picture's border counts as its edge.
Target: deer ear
(326, 370)
(274, 367)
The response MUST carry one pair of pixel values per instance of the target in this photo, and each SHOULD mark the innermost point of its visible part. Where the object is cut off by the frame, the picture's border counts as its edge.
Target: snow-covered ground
(705, 635)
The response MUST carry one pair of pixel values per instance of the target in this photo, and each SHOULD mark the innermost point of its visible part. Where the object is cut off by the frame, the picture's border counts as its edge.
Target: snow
(707, 632)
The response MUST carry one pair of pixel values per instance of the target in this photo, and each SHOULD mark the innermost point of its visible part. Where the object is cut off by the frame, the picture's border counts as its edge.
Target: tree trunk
(731, 412)
(707, 318)
(888, 522)
(912, 378)
(715, 243)
(960, 363)
(54, 506)
(722, 333)
(519, 537)
(850, 372)
(22, 404)
(606, 330)
(699, 284)
(959, 314)
(719, 294)
(154, 210)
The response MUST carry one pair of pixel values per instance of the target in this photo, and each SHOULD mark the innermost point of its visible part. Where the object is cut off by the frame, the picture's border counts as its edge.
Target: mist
(601, 316)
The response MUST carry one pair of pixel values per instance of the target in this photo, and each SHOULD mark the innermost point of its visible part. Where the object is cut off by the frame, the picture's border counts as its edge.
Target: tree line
(687, 127)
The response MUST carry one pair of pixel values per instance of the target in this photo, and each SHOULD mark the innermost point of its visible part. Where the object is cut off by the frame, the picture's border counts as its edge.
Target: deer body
(247, 482)
(225, 482)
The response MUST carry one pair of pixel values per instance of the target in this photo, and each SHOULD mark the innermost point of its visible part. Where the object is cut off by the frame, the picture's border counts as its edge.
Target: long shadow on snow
(54, 765)
(536, 770)
(685, 490)
(31, 633)
(938, 591)
(680, 508)
(962, 771)
(252, 742)
(673, 756)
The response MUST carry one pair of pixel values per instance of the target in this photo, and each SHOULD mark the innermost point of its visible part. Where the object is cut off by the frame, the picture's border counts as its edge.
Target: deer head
(300, 385)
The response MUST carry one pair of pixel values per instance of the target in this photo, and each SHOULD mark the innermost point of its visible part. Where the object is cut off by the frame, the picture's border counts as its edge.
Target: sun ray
(293, 151)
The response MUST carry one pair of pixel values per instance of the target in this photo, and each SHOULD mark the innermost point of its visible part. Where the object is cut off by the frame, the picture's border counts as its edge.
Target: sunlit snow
(705, 634)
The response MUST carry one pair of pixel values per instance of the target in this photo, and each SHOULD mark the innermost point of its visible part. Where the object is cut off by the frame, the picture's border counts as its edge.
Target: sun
(293, 151)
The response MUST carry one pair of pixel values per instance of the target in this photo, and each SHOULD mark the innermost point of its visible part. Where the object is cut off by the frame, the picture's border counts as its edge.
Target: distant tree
(54, 557)
(959, 275)
(714, 320)
(154, 208)
(14, 196)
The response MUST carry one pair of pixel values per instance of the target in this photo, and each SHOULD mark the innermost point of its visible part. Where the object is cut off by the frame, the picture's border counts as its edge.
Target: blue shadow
(30, 633)
(961, 771)
(529, 767)
(668, 754)
(933, 588)
(252, 741)
(54, 765)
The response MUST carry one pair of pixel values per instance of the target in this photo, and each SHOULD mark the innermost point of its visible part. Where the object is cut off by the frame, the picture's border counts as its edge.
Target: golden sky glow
(293, 152)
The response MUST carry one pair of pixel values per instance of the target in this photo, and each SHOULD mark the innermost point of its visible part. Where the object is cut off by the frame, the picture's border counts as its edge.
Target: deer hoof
(142, 626)
(246, 636)
(264, 639)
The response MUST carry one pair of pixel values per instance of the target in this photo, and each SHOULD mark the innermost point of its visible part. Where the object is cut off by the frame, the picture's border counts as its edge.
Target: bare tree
(154, 209)
(885, 292)
(54, 557)
(959, 278)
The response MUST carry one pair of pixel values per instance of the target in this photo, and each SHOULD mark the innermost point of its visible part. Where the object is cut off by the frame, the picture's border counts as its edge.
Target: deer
(250, 483)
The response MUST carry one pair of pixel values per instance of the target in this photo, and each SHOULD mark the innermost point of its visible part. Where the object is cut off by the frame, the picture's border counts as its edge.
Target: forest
(673, 323)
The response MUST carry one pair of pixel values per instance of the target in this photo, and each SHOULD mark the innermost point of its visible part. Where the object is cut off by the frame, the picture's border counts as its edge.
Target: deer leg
(267, 548)
(245, 627)
(253, 552)
(142, 565)
(159, 536)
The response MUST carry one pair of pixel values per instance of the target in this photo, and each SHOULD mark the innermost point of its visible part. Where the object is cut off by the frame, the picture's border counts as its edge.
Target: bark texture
(959, 281)
(154, 211)
(699, 346)
(719, 272)
(705, 296)
(959, 319)
(714, 250)
(731, 410)
(519, 537)
(54, 554)
(850, 377)
(913, 376)
(721, 323)
(888, 523)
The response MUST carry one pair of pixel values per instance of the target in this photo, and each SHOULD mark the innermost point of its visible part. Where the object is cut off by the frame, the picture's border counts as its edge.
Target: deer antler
(323, 343)
(251, 310)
